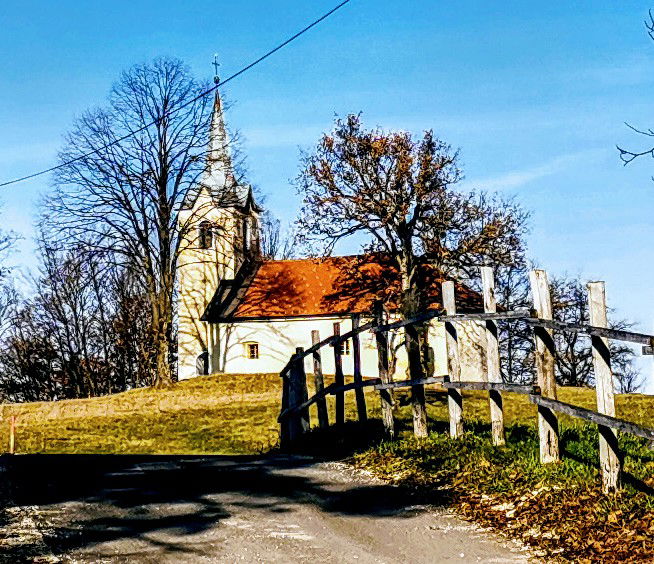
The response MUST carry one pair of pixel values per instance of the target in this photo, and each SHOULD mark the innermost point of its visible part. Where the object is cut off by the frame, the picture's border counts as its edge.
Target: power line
(172, 112)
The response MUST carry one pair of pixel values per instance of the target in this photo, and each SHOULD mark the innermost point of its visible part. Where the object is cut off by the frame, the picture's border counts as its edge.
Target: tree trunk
(163, 377)
(163, 374)
(414, 339)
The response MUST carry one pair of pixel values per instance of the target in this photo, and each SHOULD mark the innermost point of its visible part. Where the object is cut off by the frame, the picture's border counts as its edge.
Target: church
(239, 313)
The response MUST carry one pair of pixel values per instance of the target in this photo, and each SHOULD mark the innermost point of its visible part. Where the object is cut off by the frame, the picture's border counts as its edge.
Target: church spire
(219, 163)
(219, 178)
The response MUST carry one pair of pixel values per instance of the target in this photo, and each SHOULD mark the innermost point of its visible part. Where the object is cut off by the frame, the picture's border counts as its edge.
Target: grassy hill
(229, 414)
(558, 509)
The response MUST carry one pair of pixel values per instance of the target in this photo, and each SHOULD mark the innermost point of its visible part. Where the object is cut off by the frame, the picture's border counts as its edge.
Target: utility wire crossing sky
(172, 112)
(536, 97)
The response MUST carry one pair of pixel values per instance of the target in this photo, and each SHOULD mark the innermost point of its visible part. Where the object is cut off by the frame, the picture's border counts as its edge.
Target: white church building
(238, 313)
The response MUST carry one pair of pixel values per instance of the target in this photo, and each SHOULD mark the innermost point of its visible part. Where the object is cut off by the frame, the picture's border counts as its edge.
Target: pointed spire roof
(219, 175)
(219, 162)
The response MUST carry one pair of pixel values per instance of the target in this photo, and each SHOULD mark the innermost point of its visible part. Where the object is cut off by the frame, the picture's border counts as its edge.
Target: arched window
(205, 235)
(246, 234)
(202, 364)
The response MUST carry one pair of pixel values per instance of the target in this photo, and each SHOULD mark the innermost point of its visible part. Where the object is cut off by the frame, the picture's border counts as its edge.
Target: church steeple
(220, 223)
(219, 162)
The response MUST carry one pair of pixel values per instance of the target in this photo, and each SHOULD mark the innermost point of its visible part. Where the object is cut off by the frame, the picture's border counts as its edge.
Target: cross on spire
(215, 64)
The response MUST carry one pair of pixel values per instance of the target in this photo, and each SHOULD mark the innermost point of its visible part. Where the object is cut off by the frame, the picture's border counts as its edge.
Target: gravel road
(233, 509)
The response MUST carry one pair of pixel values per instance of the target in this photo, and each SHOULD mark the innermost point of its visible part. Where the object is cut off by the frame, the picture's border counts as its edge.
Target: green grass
(233, 414)
(557, 508)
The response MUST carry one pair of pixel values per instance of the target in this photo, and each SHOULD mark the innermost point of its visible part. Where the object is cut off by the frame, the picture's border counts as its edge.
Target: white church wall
(277, 341)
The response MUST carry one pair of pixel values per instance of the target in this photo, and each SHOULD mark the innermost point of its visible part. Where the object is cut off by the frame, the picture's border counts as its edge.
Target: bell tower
(219, 226)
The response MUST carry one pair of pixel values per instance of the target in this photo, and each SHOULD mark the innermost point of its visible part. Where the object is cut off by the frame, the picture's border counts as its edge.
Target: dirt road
(231, 509)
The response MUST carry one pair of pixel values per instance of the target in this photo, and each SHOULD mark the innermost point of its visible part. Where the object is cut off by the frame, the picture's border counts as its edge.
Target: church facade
(238, 313)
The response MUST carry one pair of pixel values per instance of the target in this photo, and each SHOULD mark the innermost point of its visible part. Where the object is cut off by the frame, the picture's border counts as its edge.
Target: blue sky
(534, 94)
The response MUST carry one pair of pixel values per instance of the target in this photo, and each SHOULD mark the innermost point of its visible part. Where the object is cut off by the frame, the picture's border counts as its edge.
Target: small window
(246, 235)
(252, 351)
(205, 236)
(345, 347)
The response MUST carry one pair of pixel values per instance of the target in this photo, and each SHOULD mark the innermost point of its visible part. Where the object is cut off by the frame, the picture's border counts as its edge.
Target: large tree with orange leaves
(400, 193)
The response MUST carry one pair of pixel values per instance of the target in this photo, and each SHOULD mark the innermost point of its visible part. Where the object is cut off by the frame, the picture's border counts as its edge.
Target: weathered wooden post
(493, 374)
(321, 404)
(12, 434)
(454, 397)
(299, 421)
(548, 425)
(608, 440)
(358, 379)
(385, 394)
(339, 380)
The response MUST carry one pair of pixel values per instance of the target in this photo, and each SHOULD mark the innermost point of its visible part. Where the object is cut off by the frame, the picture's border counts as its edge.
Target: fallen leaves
(559, 510)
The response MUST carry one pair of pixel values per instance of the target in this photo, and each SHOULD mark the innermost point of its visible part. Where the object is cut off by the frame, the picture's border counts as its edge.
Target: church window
(252, 351)
(345, 347)
(205, 238)
(246, 235)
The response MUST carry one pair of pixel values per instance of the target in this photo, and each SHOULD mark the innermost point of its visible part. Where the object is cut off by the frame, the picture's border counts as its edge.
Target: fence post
(493, 356)
(339, 380)
(385, 395)
(299, 422)
(321, 404)
(358, 379)
(12, 434)
(608, 440)
(454, 397)
(548, 425)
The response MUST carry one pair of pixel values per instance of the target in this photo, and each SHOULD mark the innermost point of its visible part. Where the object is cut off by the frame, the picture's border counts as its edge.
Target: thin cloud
(518, 178)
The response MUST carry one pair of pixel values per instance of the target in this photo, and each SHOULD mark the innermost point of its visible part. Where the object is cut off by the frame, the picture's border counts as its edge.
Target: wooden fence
(294, 416)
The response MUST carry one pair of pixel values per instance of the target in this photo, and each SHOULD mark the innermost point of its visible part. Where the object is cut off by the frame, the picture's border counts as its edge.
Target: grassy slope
(557, 508)
(228, 414)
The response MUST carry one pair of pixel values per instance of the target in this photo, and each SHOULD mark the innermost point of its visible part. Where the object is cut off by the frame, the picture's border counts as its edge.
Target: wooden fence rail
(294, 416)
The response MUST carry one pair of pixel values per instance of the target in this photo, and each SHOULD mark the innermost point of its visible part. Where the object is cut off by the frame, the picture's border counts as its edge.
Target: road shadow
(93, 499)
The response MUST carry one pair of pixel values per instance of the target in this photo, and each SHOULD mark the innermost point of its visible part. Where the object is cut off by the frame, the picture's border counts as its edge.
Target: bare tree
(8, 294)
(629, 155)
(84, 332)
(516, 340)
(52, 349)
(398, 193)
(275, 243)
(124, 181)
(133, 351)
(574, 363)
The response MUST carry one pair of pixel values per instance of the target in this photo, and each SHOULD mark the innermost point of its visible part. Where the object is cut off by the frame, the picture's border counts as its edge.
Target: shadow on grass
(154, 505)
(576, 445)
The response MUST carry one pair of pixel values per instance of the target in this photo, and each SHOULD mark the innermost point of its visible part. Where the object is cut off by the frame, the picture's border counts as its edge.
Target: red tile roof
(334, 285)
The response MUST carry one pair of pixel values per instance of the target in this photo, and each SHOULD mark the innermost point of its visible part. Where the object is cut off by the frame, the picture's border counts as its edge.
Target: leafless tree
(124, 181)
(574, 361)
(516, 340)
(275, 243)
(629, 155)
(8, 294)
(399, 194)
(84, 332)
